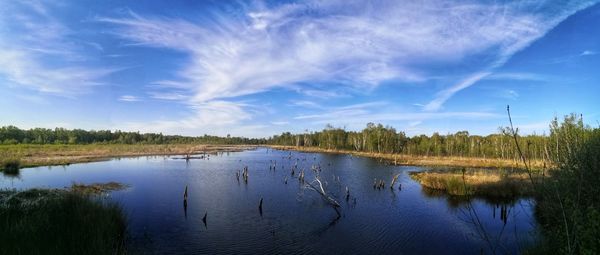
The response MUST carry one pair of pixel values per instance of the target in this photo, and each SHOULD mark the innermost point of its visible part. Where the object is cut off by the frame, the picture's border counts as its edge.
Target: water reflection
(291, 219)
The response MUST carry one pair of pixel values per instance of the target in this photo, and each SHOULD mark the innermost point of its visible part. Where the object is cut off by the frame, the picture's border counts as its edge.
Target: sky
(258, 68)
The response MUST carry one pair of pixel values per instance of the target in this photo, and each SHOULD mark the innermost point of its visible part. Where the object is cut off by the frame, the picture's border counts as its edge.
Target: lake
(294, 219)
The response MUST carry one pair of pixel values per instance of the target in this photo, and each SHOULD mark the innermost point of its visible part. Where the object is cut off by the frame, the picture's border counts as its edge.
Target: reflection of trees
(502, 209)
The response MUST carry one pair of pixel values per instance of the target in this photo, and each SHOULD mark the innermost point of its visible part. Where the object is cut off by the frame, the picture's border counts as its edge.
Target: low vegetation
(96, 188)
(10, 166)
(59, 222)
(416, 160)
(31, 155)
(494, 183)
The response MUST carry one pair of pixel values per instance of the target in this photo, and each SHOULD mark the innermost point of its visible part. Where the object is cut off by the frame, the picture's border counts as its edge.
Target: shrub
(568, 205)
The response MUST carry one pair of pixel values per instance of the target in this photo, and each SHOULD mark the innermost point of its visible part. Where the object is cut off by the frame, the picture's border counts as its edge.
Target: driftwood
(317, 186)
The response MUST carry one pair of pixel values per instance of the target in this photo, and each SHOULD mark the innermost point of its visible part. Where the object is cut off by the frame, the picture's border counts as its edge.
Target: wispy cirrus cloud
(39, 52)
(348, 44)
(216, 116)
(129, 98)
(520, 25)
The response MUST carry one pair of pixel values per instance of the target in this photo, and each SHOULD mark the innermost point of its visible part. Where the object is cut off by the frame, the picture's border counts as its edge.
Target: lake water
(294, 219)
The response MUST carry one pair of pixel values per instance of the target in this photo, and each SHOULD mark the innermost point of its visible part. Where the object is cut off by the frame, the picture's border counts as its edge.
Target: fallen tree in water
(317, 186)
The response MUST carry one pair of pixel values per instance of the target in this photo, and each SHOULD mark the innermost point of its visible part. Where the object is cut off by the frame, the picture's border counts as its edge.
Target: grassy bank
(497, 184)
(402, 159)
(59, 222)
(30, 155)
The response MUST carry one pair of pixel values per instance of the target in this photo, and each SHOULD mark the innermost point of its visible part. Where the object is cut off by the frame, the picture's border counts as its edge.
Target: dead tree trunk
(317, 186)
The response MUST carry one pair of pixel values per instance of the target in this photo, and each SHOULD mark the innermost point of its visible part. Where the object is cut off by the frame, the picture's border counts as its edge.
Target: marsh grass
(416, 160)
(32, 155)
(96, 188)
(59, 222)
(10, 166)
(491, 183)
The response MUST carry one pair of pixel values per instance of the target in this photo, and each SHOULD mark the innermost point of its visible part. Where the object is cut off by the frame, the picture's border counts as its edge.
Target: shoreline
(32, 155)
(410, 160)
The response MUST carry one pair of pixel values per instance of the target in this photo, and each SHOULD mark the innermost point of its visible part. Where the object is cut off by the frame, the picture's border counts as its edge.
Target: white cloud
(513, 35)
(30, 39)
(129, 98)
(326, 50)
(588, 53)
(306, 104)
(353, 44)
(519, 76)
(215, 117)
(445, 94)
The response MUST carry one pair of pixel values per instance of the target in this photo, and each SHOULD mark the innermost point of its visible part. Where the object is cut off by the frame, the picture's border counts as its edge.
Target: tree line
(374, 138)
(14, 135)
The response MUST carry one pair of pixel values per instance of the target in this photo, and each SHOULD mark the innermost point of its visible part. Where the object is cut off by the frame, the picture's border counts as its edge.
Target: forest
(14, 135)
(374, 138)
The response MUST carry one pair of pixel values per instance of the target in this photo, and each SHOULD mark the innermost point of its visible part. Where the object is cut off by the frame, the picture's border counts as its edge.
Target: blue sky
(262, 67)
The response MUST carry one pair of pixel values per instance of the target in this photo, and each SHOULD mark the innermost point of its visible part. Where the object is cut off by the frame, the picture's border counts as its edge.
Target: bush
(568, 204)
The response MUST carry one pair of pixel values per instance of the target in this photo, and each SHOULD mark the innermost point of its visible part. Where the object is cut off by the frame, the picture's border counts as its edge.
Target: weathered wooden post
(394, 179)
(347, 193)
(185, 195)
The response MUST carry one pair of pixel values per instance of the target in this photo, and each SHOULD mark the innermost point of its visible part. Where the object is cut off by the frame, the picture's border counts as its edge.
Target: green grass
(10, 166)
(59, 222)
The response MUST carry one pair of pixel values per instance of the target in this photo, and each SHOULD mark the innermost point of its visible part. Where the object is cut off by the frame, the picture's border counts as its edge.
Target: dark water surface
(294, 220)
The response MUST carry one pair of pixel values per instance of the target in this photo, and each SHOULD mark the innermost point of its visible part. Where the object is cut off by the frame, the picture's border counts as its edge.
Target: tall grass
(59, 222)
(10, 166)
(486, 183)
